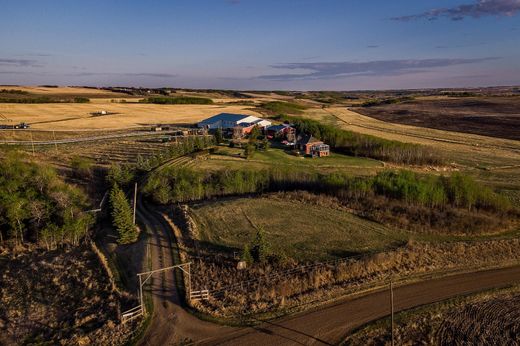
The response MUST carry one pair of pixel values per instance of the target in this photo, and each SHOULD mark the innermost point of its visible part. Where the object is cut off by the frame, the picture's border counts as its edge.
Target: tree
(122, 175)
(246, 255)
(218, 136)
(255, 133)
(266, 144)
(122, 217)
(250, 150)
(260, 248)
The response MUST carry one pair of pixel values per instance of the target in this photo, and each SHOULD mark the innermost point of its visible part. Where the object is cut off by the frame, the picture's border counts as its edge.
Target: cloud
(143, 74)
(332, 70)
(19, 62)
(480, 8)
(373, 46)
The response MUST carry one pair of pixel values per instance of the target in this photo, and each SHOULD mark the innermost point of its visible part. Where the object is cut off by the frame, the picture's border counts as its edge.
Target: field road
(171, 324)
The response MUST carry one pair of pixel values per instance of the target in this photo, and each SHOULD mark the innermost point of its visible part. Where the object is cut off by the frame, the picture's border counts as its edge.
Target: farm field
(489, 318)
(496, 117)
(462, 149)
(299, 230)
(78, 117)
(225, 157)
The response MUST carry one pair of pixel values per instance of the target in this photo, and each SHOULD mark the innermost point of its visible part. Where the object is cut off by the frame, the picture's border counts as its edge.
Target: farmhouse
(312, 146)
(229, 121)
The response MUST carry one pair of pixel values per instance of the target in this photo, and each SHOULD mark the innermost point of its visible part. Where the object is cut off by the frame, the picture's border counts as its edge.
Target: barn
(228, 121)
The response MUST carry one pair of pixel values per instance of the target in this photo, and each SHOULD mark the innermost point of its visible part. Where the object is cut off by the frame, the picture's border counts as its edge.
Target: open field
(78, 117)
(225, 157)
(497, 117)
(299, 230)
(63, 91)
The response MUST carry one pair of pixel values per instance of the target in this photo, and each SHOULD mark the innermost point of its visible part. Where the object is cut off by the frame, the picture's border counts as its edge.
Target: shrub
(82, 166)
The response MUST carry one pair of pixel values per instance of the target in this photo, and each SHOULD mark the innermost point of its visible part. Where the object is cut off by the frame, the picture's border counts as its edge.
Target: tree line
(357, 144)
(182, 184)
(402, 198)
(36, 205)
(179, 100)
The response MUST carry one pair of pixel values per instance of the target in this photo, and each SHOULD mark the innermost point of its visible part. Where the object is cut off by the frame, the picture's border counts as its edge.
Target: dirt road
(171, 324)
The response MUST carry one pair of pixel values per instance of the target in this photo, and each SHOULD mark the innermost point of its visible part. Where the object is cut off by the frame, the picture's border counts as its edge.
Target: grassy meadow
(299, 230)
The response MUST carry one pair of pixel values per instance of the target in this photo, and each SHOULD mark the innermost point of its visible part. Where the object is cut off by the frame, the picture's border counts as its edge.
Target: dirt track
(328, 325)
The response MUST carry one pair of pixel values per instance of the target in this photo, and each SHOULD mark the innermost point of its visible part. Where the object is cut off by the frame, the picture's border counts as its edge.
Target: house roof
(277, 128)
(306, 139)
(230, 117)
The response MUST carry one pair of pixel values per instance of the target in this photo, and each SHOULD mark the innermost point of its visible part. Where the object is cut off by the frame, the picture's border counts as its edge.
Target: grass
(301, 231)
(280, 107)
(226, 157)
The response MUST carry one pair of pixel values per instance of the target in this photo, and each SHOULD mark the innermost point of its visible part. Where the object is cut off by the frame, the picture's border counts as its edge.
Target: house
(228, 121)
(283, 131)
(312, 146)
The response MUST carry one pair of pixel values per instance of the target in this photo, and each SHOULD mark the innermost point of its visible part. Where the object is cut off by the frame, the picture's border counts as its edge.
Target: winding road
(328, 325)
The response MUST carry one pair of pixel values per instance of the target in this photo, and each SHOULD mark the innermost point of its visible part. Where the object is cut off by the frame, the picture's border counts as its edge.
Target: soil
(60, 297)
(489, 116)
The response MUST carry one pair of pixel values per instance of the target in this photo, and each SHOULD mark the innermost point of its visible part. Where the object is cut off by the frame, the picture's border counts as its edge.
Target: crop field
(489, 318)
(78, 117)
(299, 230)
(496, 117)
(225, 157)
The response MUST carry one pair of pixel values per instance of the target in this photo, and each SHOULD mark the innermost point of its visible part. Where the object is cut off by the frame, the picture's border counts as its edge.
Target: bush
(82, 166)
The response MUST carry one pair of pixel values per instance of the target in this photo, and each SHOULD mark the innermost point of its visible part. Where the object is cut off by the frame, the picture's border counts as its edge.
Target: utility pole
(141, 295)
(392, 308)
(135, 199)
(32, 143)
(55, 144)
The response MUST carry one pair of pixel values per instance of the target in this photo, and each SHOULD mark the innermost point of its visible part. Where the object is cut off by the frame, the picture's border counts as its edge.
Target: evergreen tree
(246, 255)
(260, 247)
(122, 217)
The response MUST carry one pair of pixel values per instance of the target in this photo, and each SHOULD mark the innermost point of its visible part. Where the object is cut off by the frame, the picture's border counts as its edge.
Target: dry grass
(62, 90)
(78, 117)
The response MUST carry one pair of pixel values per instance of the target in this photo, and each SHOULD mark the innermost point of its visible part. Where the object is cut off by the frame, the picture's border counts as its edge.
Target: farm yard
(225, 157)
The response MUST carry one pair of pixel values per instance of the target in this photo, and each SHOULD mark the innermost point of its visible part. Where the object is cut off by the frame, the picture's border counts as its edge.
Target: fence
(199, 295)
(284, 273)
(132, 313)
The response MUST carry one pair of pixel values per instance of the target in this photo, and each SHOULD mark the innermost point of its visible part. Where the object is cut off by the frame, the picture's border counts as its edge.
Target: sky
(261, 44)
